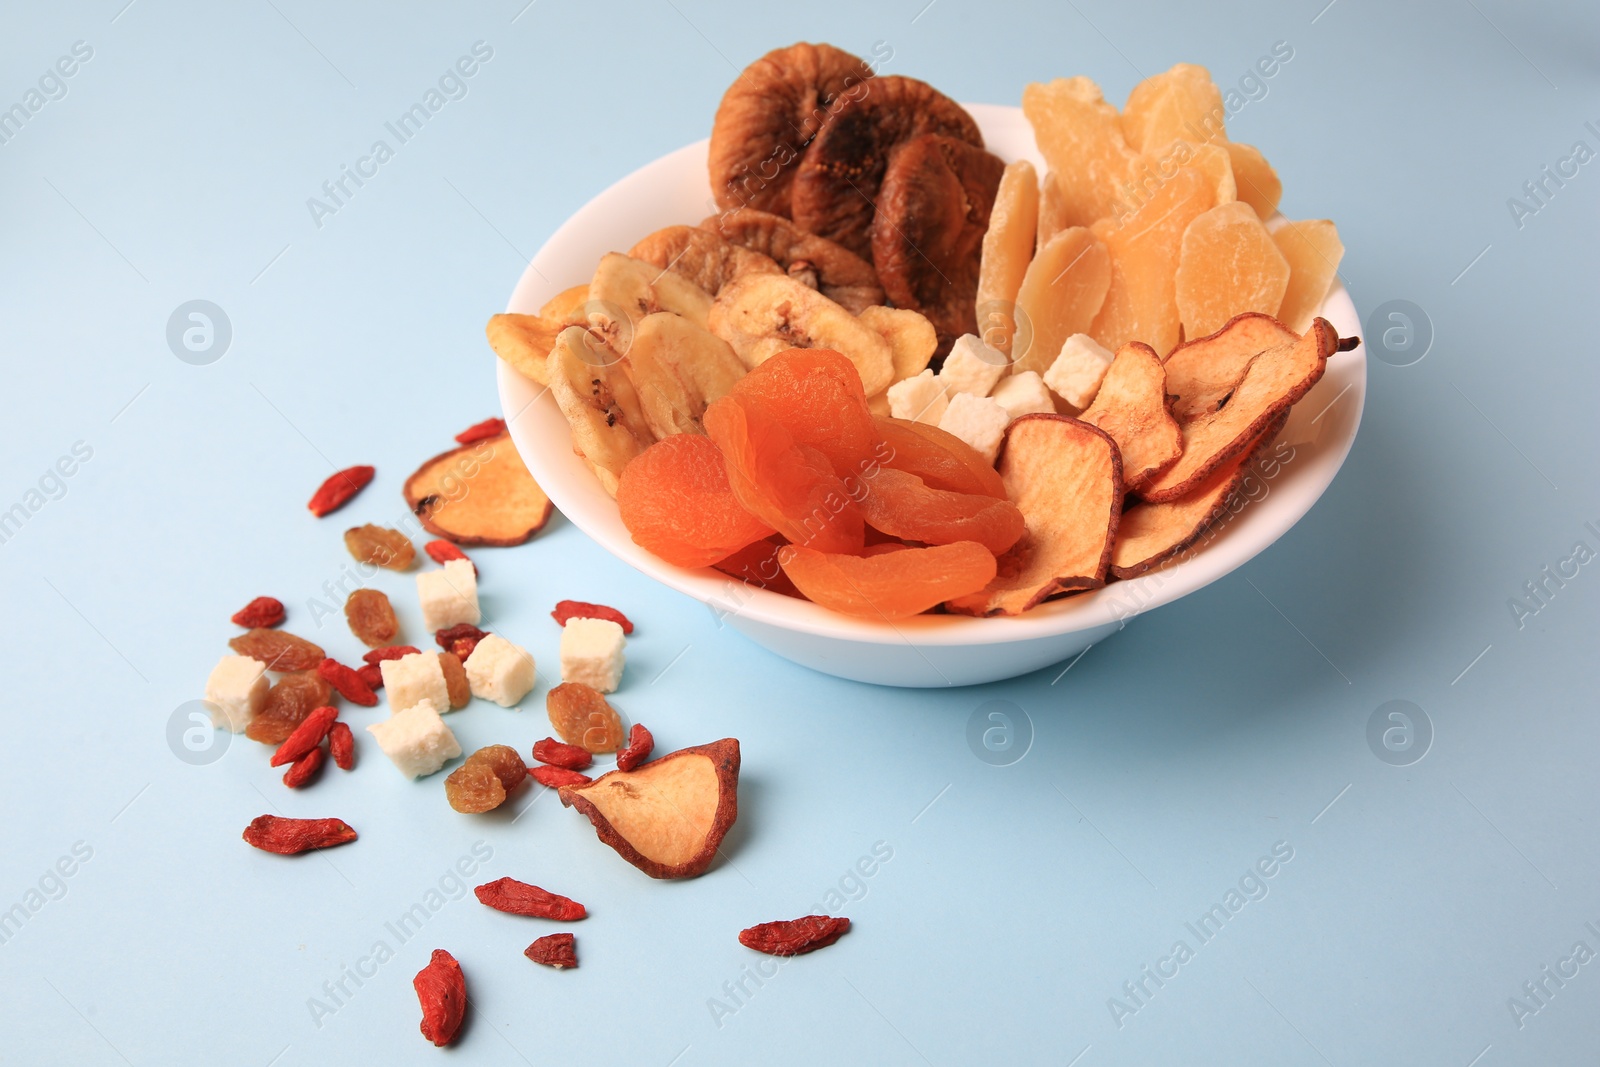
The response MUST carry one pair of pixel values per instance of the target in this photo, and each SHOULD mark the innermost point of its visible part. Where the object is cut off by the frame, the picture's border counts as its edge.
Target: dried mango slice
(1313, 250)
(1066, 477)
(1062, 291)
(903, 505)
(1257, 182)
(1052, 210)
(889, 585)
(675, 500)
(1007, 250)
(1228, 264)
(1131, 406)
(1182, 102)
(1080, 137)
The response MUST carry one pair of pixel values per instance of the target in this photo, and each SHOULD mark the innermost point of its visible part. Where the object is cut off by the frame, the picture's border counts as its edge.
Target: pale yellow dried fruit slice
(1061, 293)
(911, 337)
(1052, 210)
(524, 342)
(1202, 372)
(600, 403)
(1229, 265)
(1180, 102)
(564, 307)
(1066, 477)
(1313, 251)
(678, 369)
(1271, 383)
(625, 290)
(1008, 247)
(1211, 160)
(1080, 137)
(1257, 182)
(705, 258)
(1131, 406)
(761, 315)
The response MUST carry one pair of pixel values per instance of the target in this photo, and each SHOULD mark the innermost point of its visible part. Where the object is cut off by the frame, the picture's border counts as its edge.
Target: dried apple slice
(668, 816)
(1149, 535)
(1131, 406)
(1202, 372)
(1271, 383)
(478, 494)
(1066, 476)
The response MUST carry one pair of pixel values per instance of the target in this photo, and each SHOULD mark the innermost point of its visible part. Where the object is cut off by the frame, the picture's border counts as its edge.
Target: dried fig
(840, 274)
(704, 258)
(769, 116)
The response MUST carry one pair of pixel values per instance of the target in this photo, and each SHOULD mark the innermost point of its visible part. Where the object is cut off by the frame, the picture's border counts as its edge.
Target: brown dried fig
(832, 269)
(704, 258)
(769, 116)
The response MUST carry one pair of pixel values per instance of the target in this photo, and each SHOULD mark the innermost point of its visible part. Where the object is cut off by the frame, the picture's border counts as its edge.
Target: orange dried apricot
(815, 394)
(941, 459)
(890, 585)
(903, 505)
(790, 486)
(675, 501)
(757, 564)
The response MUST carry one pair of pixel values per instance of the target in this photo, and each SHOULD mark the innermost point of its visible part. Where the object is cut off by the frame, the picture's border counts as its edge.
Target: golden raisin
(287, 704)
(380, 545)
(582, 717)
(506, 763)
(371, 618)
(455, 680)
(280, 650)
(483, 781)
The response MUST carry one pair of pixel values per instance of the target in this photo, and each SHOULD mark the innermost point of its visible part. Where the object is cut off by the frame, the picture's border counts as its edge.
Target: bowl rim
(575, 491)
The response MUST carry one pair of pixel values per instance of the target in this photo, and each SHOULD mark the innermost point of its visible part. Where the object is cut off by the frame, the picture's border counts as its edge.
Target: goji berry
(553, 950)
(640, 743)
(307, 736)
(520, 898)
(347, 682)
(372, 674)
(334, 493)
(301, 770)
(261, 612)
(794, 937)
(378, 655)
(443, 552)
(493, 426)
(461, 639)
(560, 754)
(442, 992)
(582, 609)
(342, 746)
(274, 833)
(556, 777)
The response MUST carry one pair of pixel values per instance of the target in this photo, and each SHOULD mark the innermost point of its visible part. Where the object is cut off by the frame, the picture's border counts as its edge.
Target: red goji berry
(301, 770)
(794, 937)
(553, 950)
(347, 682)
(261, 612)
(493, 426)
(307, 736)
(334, 493)
(559, 754)
(461, 639)
(442, 992)
(372, 674)
(342, 746)
(378, 655)
(580, 609)
(520, 898)
(442, 552)
(640, 743)
(274, 833)
(556, 777)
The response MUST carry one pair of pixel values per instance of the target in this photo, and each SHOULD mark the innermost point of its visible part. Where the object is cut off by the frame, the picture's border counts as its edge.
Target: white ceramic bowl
(929, 650)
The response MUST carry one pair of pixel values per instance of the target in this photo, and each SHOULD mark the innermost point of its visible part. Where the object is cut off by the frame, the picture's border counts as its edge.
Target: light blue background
(1019, 898)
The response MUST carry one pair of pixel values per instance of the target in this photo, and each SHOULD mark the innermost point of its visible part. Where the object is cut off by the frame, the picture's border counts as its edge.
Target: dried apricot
(815, 394)
(940, 459)
(1229, 264)
(455, 680)
(893, 585)
(286, 706)
(371, 617)
(903, 505)
(280, 650)
(789, 486)
(582, 717)
(757, 564)
(381, 545)
(675, 501)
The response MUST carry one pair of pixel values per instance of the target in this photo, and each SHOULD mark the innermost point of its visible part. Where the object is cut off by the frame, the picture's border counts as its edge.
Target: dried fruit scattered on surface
(371, 674)
(387, 548)
(442, 552)
(554, 950)
(675, 500)
(581, 716)
(637, 750)
(556, 777)
(378, 655)
(278, 649)
(582, 609)
(287, 704)
(478, 494)
(461, 639)
(668, 817)
(274, 833)
(303, 769)
(307, 736)
(493, 426)
(795, 937)
(371, 617)
(484, 780)
(560, 754)
(520, 898)
(893, 585)
(342, 746)
(262, 612)
(455, 680)
(348, 682)
(334, 493)
(442, 992)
